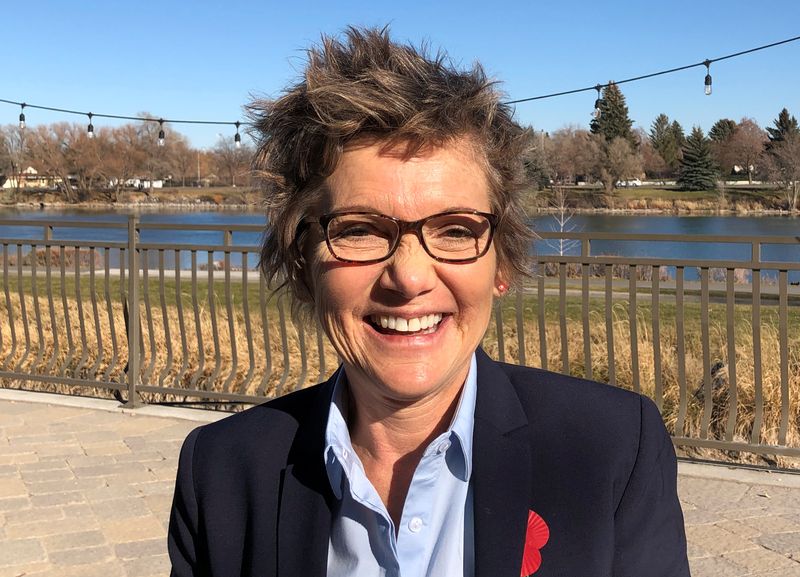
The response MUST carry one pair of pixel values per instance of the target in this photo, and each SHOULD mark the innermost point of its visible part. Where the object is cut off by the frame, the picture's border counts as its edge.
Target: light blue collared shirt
(435, 536)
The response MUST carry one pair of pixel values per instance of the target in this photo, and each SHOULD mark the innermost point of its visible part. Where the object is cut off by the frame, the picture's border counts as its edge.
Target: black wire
(660, 73)
(121, 117)
(518, 101)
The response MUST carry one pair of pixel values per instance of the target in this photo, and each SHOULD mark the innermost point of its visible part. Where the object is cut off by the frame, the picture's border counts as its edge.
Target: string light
(707, 63)
(596, 113)
(161, 132)
(90, 128)
(237, 140)
(653, 74)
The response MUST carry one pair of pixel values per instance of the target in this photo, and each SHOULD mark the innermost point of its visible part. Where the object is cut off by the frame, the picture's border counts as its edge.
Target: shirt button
(415, 525)
(345, 454)
(443, 447)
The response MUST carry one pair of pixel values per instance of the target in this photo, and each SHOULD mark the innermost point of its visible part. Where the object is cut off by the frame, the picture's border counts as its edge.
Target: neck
(393, 430)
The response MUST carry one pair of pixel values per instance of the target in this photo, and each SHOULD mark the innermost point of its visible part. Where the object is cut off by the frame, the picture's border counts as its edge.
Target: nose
(410, 271)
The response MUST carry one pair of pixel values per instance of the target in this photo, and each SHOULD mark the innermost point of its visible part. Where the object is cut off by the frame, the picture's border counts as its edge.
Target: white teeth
(402, 325)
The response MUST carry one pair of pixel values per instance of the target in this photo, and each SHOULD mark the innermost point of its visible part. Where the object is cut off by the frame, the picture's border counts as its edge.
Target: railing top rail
(258, 227)
(216, 227)
(704, 238)
(666, 261)
(55, 223)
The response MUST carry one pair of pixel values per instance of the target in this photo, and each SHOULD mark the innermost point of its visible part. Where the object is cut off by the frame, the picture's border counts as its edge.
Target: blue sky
(204, 60)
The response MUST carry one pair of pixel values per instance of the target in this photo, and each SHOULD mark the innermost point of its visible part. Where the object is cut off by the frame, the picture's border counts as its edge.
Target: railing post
(133, 311)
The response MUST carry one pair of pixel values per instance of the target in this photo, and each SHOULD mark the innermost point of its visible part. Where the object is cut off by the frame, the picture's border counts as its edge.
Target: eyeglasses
(365, 237)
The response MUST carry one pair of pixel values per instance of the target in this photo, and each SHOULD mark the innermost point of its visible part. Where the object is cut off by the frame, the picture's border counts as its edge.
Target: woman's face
(393, 366)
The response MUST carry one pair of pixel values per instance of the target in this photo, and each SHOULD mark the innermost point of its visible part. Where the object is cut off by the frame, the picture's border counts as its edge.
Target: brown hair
(369, 87)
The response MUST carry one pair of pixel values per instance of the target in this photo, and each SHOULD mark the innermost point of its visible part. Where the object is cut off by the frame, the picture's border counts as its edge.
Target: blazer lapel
(501, 475)
(304, 517)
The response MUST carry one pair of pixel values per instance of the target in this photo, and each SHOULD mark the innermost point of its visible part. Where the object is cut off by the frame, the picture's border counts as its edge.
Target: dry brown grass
(205, 364)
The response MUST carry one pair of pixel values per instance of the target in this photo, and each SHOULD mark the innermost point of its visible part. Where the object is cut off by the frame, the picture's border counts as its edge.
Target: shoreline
(532, 211)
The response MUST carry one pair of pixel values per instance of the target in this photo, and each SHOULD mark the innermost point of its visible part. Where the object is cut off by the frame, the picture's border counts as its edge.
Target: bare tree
(653, 164)
(230, 160)
(747, 146)
(783, 165)
(126, 157)
(616, 161)
(183, 158)
(84, 158)
(48, 146)
(13, 148)
(572, 154)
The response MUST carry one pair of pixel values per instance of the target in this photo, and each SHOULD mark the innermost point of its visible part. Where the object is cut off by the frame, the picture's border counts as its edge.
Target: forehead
(370, 177)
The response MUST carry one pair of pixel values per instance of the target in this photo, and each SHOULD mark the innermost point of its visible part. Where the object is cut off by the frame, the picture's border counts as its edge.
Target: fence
(716, 343)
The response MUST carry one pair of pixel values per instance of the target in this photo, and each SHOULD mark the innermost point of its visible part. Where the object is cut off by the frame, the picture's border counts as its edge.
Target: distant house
(140, 183)
(30, 178)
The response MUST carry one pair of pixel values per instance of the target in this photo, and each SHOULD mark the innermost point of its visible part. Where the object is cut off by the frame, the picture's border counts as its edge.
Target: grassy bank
(664, 200)
(739, 199)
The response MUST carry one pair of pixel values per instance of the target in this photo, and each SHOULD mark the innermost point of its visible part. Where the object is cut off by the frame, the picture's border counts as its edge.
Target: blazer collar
(502, 473)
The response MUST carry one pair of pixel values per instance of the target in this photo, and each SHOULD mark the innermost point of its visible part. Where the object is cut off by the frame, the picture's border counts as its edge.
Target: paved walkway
(85, 490)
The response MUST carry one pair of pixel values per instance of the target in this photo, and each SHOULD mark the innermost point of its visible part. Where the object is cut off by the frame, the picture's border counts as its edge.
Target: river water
(731, 226)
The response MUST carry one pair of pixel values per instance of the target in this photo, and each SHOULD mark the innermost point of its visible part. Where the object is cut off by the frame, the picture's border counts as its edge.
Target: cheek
(340, 290)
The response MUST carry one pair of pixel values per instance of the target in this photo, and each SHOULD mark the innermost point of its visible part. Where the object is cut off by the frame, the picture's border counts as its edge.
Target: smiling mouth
(423, 325)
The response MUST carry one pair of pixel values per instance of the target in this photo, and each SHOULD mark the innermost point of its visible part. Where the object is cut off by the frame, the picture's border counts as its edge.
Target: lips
(393, 324)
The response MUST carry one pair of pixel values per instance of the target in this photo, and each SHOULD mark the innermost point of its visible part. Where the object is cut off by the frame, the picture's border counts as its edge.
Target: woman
(394, 219)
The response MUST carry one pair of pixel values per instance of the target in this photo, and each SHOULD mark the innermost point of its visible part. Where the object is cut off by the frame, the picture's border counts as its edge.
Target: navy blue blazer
(594, 461)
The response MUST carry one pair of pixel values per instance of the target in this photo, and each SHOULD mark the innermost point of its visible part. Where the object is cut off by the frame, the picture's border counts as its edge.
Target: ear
(500, 284)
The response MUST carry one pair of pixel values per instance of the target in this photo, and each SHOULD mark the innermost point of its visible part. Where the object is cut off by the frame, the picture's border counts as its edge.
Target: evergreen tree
(614, 121)
(697, 167)
(659, 130)
(785, 127)
(722, 130)
(667, 139)
(677, 134)
(783, 155)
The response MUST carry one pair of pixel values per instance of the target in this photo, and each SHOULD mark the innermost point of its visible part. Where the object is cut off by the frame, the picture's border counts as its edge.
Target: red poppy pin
(535, 538)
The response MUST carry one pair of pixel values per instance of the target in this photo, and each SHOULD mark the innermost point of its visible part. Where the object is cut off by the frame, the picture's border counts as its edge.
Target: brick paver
(86, 490)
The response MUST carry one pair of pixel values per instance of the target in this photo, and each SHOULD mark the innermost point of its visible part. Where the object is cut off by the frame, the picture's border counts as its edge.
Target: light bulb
(22, 116)
(161, 133)
(708, 78)
(237, 139)
(596, 112)
(90, 128)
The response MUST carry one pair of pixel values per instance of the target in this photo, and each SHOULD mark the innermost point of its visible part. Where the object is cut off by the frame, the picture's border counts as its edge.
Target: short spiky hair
(368, 87)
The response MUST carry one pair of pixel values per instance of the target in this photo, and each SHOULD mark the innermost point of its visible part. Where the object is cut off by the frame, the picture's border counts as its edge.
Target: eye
(455, 231)
(355, 230)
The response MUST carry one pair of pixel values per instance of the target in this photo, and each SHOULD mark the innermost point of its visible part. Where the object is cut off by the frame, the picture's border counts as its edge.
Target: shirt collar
(338, 451)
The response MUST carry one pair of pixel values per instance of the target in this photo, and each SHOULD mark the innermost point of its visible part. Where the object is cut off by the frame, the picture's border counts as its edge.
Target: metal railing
(715, 343)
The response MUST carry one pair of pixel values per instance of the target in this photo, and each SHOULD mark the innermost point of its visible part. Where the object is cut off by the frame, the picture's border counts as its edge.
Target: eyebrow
(372, 209)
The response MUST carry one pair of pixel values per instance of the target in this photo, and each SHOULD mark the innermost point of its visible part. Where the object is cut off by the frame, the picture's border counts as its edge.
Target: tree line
(609, 152)
(612, 151)
(104, 163)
